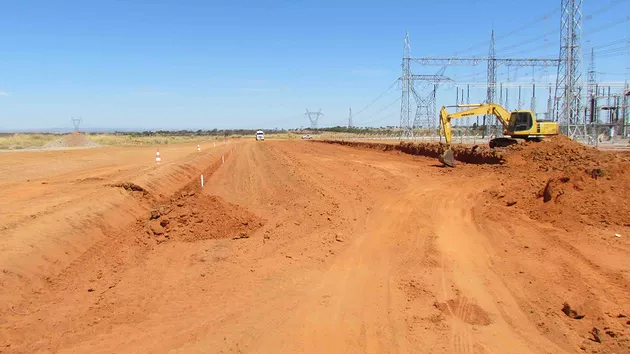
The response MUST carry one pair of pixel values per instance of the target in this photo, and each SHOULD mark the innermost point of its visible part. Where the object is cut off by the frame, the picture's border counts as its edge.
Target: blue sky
(151, 64)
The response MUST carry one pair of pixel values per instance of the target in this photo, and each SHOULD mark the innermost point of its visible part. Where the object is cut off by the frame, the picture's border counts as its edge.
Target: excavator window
(520, 121)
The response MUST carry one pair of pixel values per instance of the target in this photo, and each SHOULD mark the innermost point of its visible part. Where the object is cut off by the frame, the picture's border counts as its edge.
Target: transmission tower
(532, 105)
(591, 90)
(592, 78)
(568, 85)
(77, 123)
(550, 101)
(493, 63)
(492, 83)
(426, 112)
(313, 117)
(350, 117)
(407, 85)
(533, 101)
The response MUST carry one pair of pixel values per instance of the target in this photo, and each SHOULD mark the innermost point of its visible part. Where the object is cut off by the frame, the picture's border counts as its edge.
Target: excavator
(516, 125)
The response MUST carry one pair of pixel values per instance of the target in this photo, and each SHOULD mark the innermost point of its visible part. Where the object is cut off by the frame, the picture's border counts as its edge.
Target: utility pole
(568, 83)
(313, 117)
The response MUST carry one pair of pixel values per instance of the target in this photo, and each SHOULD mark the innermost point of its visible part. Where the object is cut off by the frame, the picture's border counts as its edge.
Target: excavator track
(501, 142)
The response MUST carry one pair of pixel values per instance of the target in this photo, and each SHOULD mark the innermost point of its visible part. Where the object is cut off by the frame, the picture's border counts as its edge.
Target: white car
(260, 135)
(307, 137)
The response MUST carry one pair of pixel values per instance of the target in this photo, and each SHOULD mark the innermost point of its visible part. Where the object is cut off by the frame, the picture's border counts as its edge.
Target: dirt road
(291, 246)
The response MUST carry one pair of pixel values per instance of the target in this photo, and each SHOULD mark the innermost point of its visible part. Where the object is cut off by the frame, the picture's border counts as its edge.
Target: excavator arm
(478, 109)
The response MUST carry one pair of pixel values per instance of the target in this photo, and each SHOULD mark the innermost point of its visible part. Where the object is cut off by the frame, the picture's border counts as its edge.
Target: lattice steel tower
(313, 117)
(407, 84)
(426, 112)
(568, 83)
(591, 87)
(492, 83)
(77, 123)
(592, 76)
(350, 117)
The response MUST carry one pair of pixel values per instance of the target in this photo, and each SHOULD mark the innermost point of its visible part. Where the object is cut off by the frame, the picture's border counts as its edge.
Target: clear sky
(151, 64)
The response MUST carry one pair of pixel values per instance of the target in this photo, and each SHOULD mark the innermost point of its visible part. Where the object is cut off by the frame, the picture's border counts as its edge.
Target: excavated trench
(475, 155)
(189, 215)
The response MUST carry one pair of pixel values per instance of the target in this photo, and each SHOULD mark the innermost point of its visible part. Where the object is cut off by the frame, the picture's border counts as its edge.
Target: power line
(610, 74)
(508, 34)
(382, 109)
(609, 44)
(607, 26)
(379, 119)
(603, 9)
(529, 40)
(529, 50)
(282, 120)
(376, 99)
(529, 24)
(369, 104)
(478, 74)
(613, 53)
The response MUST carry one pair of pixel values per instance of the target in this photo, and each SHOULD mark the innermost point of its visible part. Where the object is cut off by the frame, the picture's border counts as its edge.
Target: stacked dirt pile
(71, 140)
(193, 216)
(563, 182)
(475, 155)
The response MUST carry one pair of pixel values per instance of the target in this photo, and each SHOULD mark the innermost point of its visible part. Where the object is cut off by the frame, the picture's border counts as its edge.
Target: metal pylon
(568, 83)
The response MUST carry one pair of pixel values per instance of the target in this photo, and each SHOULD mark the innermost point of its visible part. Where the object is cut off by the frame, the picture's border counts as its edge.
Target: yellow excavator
(516, 125)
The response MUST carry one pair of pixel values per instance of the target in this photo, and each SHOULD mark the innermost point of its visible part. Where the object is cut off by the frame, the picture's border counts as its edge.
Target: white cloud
(3, 93)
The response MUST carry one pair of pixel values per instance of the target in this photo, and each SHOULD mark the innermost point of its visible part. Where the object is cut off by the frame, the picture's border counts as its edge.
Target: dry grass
(283, 136)
(23, 141)
(26, 140)
(134, 140)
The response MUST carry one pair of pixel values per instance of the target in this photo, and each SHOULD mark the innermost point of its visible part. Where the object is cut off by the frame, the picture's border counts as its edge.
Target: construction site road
(291, 246)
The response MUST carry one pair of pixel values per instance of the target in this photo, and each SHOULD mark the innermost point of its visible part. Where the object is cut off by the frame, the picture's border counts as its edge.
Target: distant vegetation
(200, 132)
(16, 141)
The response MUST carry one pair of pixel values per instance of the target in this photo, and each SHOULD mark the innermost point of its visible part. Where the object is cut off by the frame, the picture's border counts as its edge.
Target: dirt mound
(557, 180)
(564, 182)
(71, 140)
(193, 216)
(475, 155)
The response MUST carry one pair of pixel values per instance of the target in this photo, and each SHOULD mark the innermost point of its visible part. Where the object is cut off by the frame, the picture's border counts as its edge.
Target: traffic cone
(198, 148)
(158, 159)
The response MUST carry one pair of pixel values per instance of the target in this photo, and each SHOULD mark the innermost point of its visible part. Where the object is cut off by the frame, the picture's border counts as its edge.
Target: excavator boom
(477, 110)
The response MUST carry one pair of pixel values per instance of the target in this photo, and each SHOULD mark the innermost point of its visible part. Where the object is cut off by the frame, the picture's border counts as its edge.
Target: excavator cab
(520, 121)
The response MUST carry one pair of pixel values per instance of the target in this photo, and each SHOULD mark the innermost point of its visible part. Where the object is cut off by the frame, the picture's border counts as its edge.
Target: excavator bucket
(447, 158)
